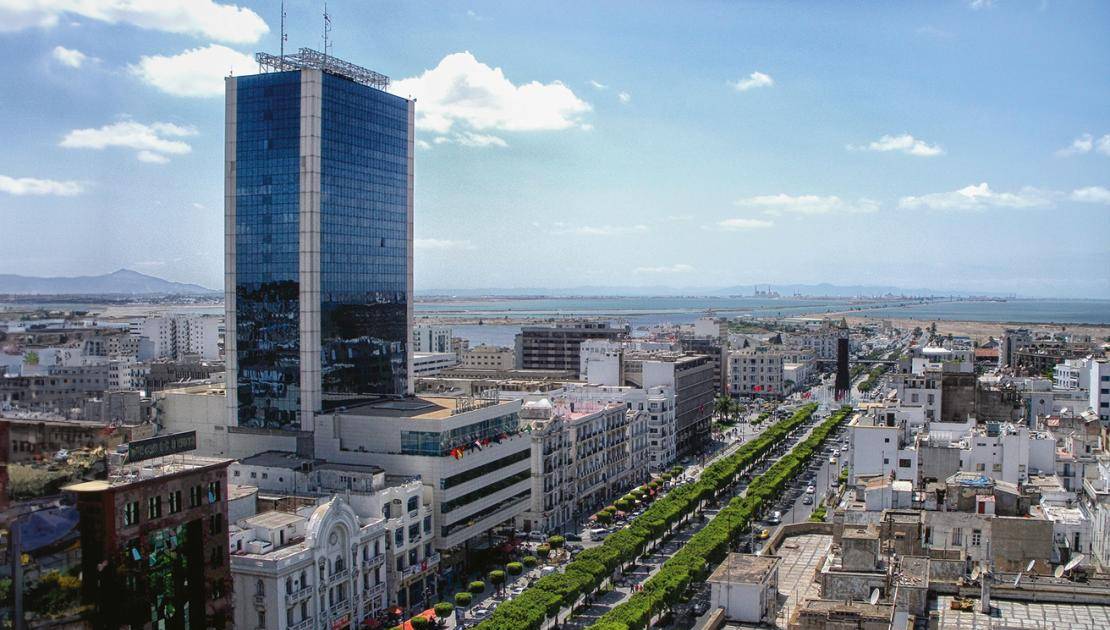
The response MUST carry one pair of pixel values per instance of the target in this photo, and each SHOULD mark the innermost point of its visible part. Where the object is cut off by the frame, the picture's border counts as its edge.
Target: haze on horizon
(959, 146)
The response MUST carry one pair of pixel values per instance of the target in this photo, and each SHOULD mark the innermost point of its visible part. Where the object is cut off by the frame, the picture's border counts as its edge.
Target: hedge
(592, 566)
(710, 545)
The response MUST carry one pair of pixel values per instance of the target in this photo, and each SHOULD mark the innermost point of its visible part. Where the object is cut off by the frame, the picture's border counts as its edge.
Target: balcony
(369, 564)
(296, 596)
(304, 624)
(340, 608)
(259, 600)
(374, 591)
(339, 576)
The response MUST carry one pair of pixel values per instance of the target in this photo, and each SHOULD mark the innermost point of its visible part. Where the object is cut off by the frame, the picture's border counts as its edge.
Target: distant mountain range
(122, 282)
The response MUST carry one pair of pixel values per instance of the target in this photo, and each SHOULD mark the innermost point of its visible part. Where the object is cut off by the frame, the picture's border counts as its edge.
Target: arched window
(338, 563)
(304, 579)
(259, 588)
(288, 585)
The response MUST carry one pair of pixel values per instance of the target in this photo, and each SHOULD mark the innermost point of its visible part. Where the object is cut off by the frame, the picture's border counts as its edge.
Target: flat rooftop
(272, 520)
(420, 407)
(291, 461)
(149, 470)
(1013, 614)
(744, 568)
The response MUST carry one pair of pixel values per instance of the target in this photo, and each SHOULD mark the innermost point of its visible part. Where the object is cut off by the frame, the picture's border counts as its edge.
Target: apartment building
(485, 357)
(295, 571)
(181, 336)
(556, 347)
(427, 338)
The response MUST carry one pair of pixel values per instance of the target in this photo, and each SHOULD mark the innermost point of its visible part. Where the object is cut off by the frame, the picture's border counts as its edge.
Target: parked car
(775, 518)
(573, 537)
(763, 534)
(808, 500)
(811, 489)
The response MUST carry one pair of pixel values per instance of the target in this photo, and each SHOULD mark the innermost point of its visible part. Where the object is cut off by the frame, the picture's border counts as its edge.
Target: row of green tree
(708, 547)
(586, 573)
(872, 377)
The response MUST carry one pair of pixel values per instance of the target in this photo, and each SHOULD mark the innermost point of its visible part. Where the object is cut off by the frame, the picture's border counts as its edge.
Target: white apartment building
(919, 390)
(182, 335)
(1096, 504)
(402, 503)
(1005, 452)
(1099, 383)
(601, 362)
(881, 446)
(432, 363)
(599, 451)
(126, 374)
(755, 372)
(469, 452)
(324, 568)
(1072, 374)
(711, 327)
(654, 449)
(427, 338)
(551, 508)
(485, 357)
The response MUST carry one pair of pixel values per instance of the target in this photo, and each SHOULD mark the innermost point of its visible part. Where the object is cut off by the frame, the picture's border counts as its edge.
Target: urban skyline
(727, 140)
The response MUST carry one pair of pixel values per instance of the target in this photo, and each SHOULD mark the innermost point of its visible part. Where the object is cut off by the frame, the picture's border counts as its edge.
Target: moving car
(808, 500)
(811, 489)
(775, 518)
(763, 534)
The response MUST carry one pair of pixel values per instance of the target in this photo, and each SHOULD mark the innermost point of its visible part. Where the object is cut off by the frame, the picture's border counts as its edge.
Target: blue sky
(951, 145)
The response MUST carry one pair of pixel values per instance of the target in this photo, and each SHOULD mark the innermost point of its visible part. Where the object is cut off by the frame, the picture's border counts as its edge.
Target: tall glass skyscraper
(318, 252)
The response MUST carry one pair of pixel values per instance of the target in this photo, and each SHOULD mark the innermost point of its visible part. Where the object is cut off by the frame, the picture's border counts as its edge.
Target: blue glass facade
(364, 297)
(267, 158)
(363, 255)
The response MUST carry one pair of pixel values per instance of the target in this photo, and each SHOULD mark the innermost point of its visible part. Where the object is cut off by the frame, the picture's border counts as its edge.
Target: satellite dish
(975, 572)
(874, 596)
(1017, 579)
(1029, 567)
(1074, 562)
(1059, 572)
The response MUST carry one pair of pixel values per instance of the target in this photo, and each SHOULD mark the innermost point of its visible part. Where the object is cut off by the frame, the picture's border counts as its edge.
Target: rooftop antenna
(327, 31)
(284, 36)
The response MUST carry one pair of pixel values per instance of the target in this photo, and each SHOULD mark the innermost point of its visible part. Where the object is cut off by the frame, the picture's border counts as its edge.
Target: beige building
(485, 357)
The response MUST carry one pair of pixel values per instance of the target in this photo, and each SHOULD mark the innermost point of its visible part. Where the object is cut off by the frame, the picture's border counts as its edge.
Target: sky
(953, 145)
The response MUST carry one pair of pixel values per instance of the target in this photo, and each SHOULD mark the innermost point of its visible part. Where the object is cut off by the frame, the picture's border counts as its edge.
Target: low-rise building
(483, 357)
(747, 587)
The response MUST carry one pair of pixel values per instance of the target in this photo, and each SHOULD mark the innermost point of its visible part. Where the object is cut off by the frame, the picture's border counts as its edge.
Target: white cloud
(905, 143)
(198, 205)
(153, 143)
(151, 157)
(1091, 194)
(69, 57)
(24, 186)
(754, 80)
(736, 225)
(625, 98)
(195, 72)
(935, 32)
(679, 268)
(978, 197)
(462, 90)
(807, 204)
(598, 230)
(980, 4)
(1082, 144)
(598, 86)
(440, 244)
(200, 18)
(423, 144)
(471, 139)
(1103, 145)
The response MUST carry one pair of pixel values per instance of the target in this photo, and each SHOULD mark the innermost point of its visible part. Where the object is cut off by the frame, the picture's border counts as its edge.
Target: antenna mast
(327, 30)
(284, 37)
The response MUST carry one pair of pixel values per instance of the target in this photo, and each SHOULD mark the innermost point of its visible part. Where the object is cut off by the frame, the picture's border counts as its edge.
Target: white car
(811, 489)
(832, 460)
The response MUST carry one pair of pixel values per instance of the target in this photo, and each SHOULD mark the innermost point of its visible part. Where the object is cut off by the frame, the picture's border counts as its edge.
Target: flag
(478, 444)
(757, 388)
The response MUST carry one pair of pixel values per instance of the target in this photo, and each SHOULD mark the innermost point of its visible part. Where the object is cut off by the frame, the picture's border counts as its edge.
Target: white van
(598, 533)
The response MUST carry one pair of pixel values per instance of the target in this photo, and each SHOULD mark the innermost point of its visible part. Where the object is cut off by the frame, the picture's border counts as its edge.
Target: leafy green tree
(477, 586)
(497, 578)
(463, 599)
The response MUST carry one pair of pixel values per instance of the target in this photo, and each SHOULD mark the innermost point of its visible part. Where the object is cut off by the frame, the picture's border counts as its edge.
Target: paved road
(643, 571)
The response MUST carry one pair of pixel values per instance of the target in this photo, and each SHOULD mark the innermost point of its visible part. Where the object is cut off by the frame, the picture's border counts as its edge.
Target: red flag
(757, 388)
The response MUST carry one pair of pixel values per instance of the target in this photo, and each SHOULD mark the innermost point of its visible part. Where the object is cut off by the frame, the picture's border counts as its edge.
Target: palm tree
(723, 406)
